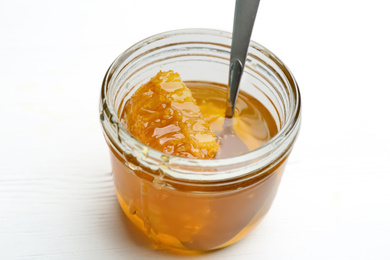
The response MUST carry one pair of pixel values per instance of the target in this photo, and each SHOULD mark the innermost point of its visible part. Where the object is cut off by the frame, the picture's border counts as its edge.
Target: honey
(175, 217)
(252, 122)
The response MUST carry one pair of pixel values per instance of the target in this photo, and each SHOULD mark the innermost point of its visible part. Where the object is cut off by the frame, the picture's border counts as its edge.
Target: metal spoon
(244, 19)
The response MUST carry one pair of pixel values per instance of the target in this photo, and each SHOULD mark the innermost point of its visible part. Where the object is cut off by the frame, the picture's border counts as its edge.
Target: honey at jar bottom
(192, 217)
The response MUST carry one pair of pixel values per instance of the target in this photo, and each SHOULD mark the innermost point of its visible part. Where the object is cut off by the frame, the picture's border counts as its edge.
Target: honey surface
(252, 123)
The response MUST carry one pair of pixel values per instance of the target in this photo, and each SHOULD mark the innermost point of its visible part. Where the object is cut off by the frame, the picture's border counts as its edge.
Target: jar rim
(290, 126)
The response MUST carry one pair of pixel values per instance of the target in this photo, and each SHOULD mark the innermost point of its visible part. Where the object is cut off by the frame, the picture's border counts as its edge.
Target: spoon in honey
(244, 19)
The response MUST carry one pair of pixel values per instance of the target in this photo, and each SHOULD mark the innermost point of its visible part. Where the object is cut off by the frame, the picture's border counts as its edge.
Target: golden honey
(173, 216)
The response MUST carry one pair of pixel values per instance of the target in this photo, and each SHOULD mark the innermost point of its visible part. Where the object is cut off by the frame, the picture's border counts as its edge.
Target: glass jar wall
(193, 204)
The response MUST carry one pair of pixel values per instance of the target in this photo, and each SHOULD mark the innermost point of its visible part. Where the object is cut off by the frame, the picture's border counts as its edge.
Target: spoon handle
(244, 19)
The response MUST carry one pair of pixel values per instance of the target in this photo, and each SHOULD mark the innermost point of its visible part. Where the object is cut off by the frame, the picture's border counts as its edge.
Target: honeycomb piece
(164, 115)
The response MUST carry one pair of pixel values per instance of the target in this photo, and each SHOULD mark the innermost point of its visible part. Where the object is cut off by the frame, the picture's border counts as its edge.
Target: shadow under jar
(193, 204)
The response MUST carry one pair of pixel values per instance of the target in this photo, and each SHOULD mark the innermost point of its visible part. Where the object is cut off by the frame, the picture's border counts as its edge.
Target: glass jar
(193, 204)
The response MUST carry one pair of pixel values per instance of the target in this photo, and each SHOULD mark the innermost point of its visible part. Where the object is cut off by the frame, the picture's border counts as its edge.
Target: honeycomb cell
(164, 115)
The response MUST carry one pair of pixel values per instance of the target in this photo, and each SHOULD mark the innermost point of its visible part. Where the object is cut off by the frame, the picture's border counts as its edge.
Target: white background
(57, 200)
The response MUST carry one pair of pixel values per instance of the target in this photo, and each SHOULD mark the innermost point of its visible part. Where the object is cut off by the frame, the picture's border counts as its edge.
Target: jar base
(170, 244)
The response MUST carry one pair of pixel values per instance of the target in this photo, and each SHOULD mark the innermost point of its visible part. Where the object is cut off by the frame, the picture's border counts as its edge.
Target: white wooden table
(56, 194)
